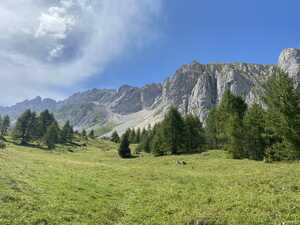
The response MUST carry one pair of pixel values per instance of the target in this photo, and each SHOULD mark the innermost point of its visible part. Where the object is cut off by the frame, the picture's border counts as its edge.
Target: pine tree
(230, 106)
(211, 129)
(51, 136)
(283, 115)
(5, 124)
(66, 134)
(138, 136)
(124, 150)
(84, 134)
(173, 131)
(194, 134)
(235, 137)
(157, 143)
(115, 137)
(92, 134)
(255, 138)
(25, 128)
(45, 120)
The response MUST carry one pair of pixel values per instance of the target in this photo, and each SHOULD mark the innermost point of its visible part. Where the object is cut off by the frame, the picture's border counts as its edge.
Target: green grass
(95, 187)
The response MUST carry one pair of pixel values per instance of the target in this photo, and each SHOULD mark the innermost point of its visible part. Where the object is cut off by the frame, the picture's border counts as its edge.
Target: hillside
(95, 186)
(194, 88)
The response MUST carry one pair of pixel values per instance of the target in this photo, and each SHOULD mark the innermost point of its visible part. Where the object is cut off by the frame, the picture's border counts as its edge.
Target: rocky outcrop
(289, 61)
(194, 88)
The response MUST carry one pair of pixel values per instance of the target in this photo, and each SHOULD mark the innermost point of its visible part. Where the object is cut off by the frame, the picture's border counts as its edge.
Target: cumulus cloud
(49, 45)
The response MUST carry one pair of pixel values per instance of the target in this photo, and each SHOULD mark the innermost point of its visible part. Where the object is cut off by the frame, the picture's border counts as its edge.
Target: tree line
(174, 135)
(44, 129)
(268, 129)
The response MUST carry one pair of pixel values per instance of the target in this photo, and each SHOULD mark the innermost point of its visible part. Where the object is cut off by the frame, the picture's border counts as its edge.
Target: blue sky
(252, 31)
(66, 46)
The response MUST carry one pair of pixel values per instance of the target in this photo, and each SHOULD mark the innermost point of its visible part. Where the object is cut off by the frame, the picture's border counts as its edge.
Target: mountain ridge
(194, 88)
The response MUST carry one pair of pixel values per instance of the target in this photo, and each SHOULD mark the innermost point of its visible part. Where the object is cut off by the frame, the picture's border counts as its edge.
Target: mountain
(194, 88)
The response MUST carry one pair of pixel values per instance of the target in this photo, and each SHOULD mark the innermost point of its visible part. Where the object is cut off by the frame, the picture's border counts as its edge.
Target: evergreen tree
(194, 134)
(235, 137)
(157, 143)
(45, 120)
(51, 136)
(173, 132)
(124, 150)
(4, 125)
(138, 136)
(66, 134)
(84, 134)
(25, 128)
(211, 129)
(230, 106)
(115, 137)
(255, 138)
(92, 134)
(283, 116)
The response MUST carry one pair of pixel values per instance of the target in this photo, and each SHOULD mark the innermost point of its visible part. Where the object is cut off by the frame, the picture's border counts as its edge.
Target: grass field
(95, 187)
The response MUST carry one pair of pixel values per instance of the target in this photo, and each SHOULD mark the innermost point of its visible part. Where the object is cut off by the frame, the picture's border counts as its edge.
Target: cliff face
(194, 88)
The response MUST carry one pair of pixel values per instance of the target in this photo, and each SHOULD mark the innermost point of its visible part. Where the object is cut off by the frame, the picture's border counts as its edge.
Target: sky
(53, 48)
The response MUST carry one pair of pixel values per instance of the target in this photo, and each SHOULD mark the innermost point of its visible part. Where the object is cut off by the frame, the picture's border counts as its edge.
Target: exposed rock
(289, 61)
(194, 88)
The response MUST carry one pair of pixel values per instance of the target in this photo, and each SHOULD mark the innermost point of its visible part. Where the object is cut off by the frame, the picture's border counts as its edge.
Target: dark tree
(255, 132)
(4, 125)
(51, 136)
(194, 134)
(25, 128)
(173, 131)
(45, 120)
(211, 129)
(283, 116)
(67, 133)
(124, 150)
(92, 134)
(115, 137)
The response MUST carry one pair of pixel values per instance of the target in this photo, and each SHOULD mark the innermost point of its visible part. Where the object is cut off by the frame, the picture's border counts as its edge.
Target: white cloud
(49, 45)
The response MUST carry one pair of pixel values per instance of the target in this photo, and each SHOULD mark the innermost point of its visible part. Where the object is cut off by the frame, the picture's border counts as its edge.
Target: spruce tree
(211, 129)
(124, 150)
(255, 133)
(45, 120)
(92, 134)
(66, 134)
(235, 137)
(173, 131)
(157, 143)
(194, 134)
(25, 128)
(84, 134)
(51, 136)
(5, 125)
(230, 106)
(115, 137)
(282, 116)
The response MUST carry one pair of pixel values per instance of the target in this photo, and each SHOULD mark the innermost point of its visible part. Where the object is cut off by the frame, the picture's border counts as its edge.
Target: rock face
(194, 88)
(289, 61)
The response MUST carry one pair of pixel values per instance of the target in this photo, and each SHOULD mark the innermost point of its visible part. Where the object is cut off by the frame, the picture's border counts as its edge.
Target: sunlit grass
(95, 187)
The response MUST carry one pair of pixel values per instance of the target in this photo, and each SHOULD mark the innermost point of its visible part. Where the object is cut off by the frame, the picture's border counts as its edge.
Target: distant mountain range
(194, 88)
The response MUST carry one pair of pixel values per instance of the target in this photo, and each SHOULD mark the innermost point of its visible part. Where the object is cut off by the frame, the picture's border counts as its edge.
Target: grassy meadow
(96, 187)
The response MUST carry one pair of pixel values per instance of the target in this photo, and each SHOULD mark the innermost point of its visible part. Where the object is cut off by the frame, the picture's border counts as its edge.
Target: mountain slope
(194, 88)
